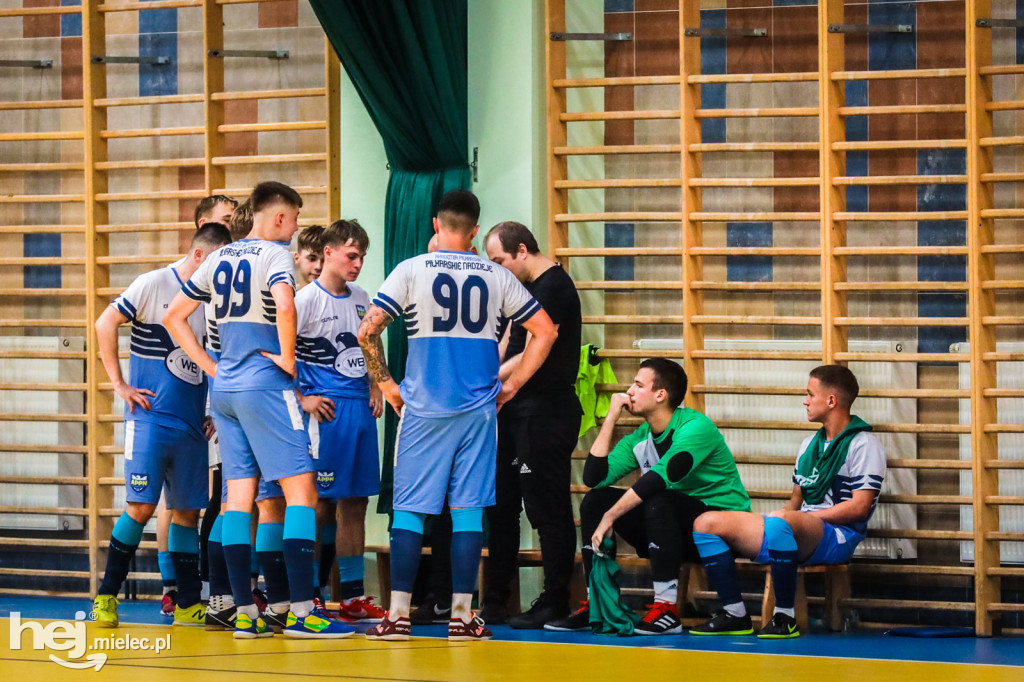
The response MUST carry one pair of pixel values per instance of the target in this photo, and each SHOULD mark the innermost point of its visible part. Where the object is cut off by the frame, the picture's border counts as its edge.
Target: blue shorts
(836, 546)
(261, 433)
(158, 457)
(447, 456)
(345, 451)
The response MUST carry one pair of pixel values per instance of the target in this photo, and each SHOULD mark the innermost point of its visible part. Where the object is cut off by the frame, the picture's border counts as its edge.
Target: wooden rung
(916, 393)
(807, 426)
(901, 321)
(41, 260)
(913, 604)
(623, 284)
(756, 319)
(1005, 499)
(901, 286)
(632, 319)
(40, 167)
(868, 145)
(997, 249)
(616, 217)
(753, 147)
(138, 260)
(1004, 607)
(40, 11)
(45, 480)
(151, 163)
(1004, 106)
(573, 117)
(42, 229)
(754, 182)
(40, 386)
(42, 355)
(31, 417)
(1004, 393)
(617, 183)
(151, 132)
(904, 109)
(267, 94)
(1002, 177)
(1004, 320)
(631, 353)
(752, 354)
(50, 293)
(152, 196)
(899, 180)
(139, 6)
(59, 511)
(618, 149)
(756, 113)
(756, 286)
(1008, 141)
(1002, 213)
(755, 251)
(301, 189)
(151, 227)
(41, 104)
(1003, 536)
(42, 198)
(45, 449)
(753, 77)
(30, 137)
(916, 534)
(271, 127)
(909, 569)
(1003, 357)
(951, 464)
(70, 324)
(1003, 284)
(43, 542)
(45, 573)
(621, 251)
(721, 217)
(1004, 428)
(903, 357)
(612, 82)
(267, 158)
(897, 74)
(148, 101)
(1004, 70)
(900, 251)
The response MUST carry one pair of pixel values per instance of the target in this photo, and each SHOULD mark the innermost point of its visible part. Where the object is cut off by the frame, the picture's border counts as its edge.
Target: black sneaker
(725, 624)
(275, 621)
(539, 613)
(494, 614)
(576, 621)
(661, 619)
(430, 612)
(780, 626)
(221, 620)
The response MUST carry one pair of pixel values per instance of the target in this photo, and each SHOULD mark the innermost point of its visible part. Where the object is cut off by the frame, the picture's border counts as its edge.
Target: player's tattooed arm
(374, 323)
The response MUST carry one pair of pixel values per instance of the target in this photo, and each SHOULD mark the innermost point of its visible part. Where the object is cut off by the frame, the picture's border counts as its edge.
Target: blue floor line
(865, 645)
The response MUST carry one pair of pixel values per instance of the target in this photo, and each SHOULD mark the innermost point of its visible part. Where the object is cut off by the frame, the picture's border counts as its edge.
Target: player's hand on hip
(319, 406)
(393, 395)
(279, 360)
(134, 396)
(208, 428)
(508, 391)
(376, 402)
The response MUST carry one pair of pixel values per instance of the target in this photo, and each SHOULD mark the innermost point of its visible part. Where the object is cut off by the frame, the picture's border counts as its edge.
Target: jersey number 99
(227, 282)
(460, 303)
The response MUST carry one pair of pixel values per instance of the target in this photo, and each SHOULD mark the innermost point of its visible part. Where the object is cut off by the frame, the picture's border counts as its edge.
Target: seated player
(309, 258)
(165, 441)
(342, 403)
(839, 473)
(686, 470)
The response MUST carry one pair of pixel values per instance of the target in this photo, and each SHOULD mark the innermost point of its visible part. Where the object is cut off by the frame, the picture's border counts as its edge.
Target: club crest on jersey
(360, 311)
(185, 368)
(139, 482)
(324, 479)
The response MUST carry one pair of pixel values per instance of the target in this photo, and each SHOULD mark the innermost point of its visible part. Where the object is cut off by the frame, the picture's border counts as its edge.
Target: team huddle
(295, 382)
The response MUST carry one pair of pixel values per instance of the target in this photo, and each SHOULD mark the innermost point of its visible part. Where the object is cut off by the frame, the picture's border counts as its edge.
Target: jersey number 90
(458, 303)
(228, 282)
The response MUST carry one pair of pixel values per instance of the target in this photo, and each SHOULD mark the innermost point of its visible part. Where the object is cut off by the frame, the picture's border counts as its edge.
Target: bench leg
(837, 589)
(768, 599)
(799, 605)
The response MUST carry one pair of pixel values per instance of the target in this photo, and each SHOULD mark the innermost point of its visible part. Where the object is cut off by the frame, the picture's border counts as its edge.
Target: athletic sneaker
(495, 614)
(360, 609)
(430, 612)
(576, 621)
(104, 611)
(168, 603)
(725, 624)
(461, 631)
(320, 610)
(221, 620)
(780, 626)
(260, 599)
(542, 611)
(247, 628)
(661, 619)
(275, 621)
(390, 630)
(191, 616)
(313, 626)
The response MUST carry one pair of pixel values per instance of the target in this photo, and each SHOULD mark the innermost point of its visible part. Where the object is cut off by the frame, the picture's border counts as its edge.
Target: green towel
(608, 616)
(592, 371)
(817, 466)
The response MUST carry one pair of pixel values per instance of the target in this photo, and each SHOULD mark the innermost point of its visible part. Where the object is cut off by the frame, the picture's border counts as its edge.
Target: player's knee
(140, 512)
(708, 522)
(185, 517)
(778, 533)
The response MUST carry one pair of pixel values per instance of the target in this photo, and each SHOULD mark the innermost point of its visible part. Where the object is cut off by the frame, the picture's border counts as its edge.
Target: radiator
(1011, 447)
(30, 370)
(790, 408)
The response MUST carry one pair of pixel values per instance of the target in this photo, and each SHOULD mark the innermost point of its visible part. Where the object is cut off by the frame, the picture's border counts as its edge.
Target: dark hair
(511, 234)
(342, 231)
(459, 210)
(211, 236)
(206, 205)
(241, 220)
(668, 375)
(268, 193)
(840, 379)
(311, 239)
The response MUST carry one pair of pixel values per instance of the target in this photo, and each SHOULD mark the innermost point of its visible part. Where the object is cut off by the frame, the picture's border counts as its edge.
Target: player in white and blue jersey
(838, 476)
(254, 405)
(166, 428)
(447, 438)
(342, 404)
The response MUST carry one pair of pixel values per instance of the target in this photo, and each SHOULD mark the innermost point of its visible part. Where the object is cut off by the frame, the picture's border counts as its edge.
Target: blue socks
(237, 552)
(350, 575)
(183, 543)
(299, 549)
(719, 566)
(782, 557)
(406, 545)
(467, 542)
(219, 583)
(124, 541)
(270, 550)
(168, 577)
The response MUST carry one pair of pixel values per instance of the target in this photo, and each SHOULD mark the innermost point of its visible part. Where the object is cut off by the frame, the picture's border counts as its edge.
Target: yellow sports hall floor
(194, 655)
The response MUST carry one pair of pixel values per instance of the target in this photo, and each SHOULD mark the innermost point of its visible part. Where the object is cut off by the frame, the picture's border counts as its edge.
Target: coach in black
(537, 432)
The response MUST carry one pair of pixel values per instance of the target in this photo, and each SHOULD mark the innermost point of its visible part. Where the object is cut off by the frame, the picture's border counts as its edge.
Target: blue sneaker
(247, 628)
(313, 626)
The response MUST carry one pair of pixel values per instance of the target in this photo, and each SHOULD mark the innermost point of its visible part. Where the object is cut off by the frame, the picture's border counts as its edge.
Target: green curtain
(407, 61)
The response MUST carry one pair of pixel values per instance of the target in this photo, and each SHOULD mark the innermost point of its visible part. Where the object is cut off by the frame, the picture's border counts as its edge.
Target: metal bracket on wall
(999, 23)
(34, 63)
(735, 32)
(870, 28)
(476, 164)
(269, 54)
(103, 59)
(561, 37)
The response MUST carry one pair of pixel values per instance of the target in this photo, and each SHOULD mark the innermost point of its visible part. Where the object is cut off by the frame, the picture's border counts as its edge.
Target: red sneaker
(169, 603)
(390, 630)
(461, 631)
(360, 609)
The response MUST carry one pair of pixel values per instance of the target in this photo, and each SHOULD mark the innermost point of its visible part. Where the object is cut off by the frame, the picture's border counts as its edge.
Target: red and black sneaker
(259, 599)
(390, 630)
(461, 631)
(661, 619)
(576, 621)
(168, 602)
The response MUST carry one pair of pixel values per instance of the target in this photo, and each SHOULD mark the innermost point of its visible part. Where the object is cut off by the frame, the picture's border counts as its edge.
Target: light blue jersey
(452, 302)
(155, 361)
(328, 356)
(236, 280)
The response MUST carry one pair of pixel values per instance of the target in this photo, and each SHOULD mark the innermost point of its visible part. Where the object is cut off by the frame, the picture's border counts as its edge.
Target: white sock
(280, 607)
(399, 605)
(461, 603)
(738, 609)
(251, 610)
(789, 612)
(666, 591)
(301, 609)
(168, 589)
(220, 602)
